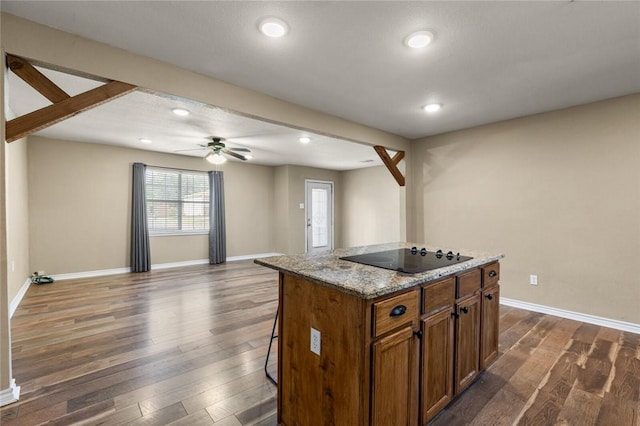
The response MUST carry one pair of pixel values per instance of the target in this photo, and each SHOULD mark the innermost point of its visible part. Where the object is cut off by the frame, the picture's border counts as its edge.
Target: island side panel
(329, 388)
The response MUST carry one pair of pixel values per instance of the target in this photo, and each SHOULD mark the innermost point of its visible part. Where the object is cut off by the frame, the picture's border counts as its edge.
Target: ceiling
(490, 61)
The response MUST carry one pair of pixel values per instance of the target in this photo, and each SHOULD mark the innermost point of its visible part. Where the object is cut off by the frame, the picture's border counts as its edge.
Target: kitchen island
(363, 345)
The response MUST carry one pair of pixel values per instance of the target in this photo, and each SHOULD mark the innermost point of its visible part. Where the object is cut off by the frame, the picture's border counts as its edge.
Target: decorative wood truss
(391, 163)
(63, 106)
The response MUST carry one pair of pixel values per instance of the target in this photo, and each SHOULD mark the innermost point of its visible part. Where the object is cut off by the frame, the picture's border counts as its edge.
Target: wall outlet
(533, 279)
(315, 341)
(302, 206)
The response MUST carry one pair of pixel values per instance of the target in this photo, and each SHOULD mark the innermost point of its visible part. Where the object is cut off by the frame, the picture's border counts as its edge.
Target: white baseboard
(178, 264)
(577, 316)
(90, 274)
(12, 394)
(102, 272)
(18, 297)
(251, 256)
(206, 261)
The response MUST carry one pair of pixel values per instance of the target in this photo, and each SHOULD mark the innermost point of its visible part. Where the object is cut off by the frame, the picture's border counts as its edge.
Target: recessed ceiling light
(273, 27)
(419, 39)
(180, 111)
(432, 107)
(145, 140)
(305, 139)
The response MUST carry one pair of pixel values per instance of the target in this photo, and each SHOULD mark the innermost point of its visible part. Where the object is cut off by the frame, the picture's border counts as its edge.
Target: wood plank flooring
(186, 346)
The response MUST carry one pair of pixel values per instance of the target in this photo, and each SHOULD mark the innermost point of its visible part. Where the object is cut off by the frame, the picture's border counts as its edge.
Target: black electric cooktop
(411, 261)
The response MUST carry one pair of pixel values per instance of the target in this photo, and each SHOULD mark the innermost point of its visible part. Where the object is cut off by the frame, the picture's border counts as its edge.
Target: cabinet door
(467, 348)
(437, 363)
(394, 384)
(489, 333)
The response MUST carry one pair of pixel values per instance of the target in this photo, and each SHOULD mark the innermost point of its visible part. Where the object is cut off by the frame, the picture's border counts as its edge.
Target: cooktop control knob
(450, 255)
(439, 254)
(423, 251)
(414, 250)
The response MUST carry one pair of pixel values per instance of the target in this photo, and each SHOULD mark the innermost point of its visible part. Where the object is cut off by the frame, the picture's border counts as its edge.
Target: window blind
(177, 201)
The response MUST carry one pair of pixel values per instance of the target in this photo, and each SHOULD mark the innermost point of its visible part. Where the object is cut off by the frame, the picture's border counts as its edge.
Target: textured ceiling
(490, 61)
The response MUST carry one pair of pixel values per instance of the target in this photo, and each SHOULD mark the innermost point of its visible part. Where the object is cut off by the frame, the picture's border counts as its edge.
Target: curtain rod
(175, 168)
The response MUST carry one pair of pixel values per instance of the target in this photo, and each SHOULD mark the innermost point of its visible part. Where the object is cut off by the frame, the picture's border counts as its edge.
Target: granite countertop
(368, 282)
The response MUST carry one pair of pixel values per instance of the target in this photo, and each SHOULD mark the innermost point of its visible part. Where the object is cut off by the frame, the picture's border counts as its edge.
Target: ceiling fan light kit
(215, 158)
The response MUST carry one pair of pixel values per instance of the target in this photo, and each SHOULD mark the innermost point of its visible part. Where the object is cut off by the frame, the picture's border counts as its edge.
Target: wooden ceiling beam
(34, 78)
(29, 123)
(391, 163)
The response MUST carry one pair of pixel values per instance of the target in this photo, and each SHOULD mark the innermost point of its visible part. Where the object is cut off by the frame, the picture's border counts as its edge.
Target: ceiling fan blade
(192, 149)
(239, 149)
(233, 154)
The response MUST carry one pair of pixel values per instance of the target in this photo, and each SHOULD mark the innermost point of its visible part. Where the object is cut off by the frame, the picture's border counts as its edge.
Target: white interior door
(319, 212)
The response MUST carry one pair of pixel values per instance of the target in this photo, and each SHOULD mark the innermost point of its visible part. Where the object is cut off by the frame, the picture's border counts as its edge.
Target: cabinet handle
(489, 296)
(492, 273)
(465, 310)
(418, 334)
(398, 310)
(454, 314)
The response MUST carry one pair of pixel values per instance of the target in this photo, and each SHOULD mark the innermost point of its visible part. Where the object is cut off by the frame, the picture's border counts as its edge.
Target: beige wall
(371, 207)
(281, 209)
(80, 194)
(558, 193)
(289, 220)
(17, 216)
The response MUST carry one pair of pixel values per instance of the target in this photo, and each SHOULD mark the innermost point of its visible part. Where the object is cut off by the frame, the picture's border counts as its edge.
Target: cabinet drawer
(438, 295)
(394, 312)
(490, 274)
(468, 283)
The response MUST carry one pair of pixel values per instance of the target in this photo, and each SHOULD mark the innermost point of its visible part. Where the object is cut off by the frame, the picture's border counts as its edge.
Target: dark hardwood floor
(187, 346)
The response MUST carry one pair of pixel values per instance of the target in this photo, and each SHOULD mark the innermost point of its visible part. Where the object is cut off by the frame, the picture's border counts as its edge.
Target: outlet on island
(315, 341)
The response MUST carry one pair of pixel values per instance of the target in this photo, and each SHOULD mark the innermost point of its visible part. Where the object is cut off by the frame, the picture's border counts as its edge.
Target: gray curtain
(217, 233)
(140, 252)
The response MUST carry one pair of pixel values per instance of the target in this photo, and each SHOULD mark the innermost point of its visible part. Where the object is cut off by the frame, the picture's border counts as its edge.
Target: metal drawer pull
(488, 296)
(493, 274)
(465, 310)
(398, 310)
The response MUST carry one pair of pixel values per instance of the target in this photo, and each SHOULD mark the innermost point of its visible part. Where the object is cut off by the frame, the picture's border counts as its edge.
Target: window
(177, 201)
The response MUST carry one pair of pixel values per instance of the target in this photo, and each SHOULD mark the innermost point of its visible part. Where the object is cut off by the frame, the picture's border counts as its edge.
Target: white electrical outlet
(533, 279)
(315, 341)
(302, 205)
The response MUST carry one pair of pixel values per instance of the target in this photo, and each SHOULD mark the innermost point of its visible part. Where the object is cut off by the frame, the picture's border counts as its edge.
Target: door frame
(306, 211)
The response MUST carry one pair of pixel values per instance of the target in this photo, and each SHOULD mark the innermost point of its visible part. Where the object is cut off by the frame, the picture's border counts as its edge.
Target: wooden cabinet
(467, 329)
(374, 368)
(467, 342)
(490, 315)
(437, 363)
(394, 379)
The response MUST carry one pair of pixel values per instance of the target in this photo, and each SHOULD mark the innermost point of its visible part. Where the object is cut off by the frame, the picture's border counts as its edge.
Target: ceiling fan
(217, 147)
